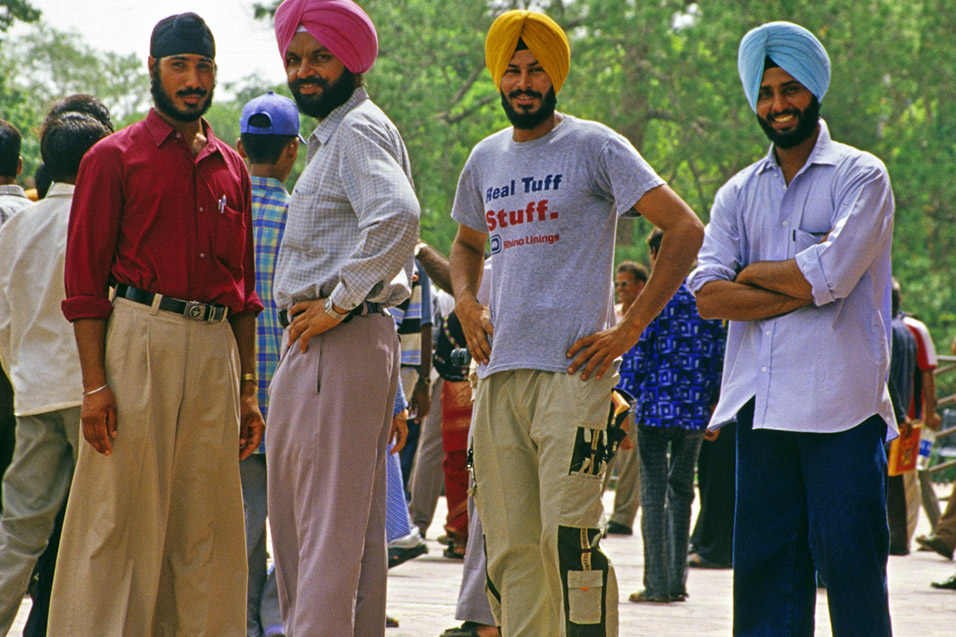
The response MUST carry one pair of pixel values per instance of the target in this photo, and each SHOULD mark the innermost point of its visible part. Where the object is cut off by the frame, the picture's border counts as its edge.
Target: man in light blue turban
(789, 46)
(797, 256)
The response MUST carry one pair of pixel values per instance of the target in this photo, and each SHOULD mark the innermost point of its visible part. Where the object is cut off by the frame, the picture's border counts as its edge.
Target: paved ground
(422, 594)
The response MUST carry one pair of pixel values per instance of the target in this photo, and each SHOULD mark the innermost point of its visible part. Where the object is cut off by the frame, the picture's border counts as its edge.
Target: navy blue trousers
(805, 502)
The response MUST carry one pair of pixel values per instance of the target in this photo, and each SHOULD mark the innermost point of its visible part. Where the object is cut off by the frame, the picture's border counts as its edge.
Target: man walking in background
(677, 370)
(629, 279)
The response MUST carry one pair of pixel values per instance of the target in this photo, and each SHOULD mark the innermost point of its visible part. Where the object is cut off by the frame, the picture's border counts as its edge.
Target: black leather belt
(363, 308)
(189, 309)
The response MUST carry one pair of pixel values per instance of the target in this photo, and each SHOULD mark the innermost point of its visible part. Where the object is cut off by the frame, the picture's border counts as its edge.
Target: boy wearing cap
(346, 256)
(797, 257)
(547, 193)
(153, 540)
(269, 141)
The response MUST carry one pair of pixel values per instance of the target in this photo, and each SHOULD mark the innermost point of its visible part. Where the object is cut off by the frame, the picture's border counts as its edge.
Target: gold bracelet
(248, 377)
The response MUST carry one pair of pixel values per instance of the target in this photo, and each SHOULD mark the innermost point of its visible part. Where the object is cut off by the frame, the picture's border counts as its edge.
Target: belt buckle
(195, 311)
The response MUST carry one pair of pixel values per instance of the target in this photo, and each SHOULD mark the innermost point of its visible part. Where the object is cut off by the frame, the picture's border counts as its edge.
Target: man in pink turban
(345, 257)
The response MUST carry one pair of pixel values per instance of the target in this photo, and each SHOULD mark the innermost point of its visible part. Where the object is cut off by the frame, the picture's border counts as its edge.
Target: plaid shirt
(353, 217)
(270, 203)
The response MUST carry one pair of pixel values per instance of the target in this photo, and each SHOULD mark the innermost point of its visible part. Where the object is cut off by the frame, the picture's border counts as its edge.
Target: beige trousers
(538, 465)
(153, 540)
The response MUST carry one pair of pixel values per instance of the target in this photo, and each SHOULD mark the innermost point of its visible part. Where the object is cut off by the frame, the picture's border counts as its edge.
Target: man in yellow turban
(546, 194)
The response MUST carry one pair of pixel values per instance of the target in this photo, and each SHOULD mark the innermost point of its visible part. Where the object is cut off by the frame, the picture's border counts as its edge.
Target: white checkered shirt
(353, 217)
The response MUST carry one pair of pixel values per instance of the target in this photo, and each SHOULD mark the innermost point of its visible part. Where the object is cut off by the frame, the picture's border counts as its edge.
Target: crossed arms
(761, 290)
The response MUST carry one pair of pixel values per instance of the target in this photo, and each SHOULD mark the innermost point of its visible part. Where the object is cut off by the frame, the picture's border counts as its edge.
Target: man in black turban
(153, 541)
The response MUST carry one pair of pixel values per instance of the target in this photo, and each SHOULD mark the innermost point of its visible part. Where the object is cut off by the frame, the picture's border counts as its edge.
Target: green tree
(16, 10)
(664, 74)
(14, 107)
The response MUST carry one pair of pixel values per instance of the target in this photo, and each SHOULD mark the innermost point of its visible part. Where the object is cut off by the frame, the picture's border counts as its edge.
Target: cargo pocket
(585, 596)
(587, 455)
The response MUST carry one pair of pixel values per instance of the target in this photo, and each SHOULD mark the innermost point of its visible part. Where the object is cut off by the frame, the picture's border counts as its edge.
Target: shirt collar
(268, 183)
(323, 132)
(161, 130)
(60, 190)
(13, 190)
(824, 151)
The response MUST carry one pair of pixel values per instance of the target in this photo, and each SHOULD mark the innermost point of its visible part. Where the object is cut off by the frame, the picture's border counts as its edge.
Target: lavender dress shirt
(821, 368)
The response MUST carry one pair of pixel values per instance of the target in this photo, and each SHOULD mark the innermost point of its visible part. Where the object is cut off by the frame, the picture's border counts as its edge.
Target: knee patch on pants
(584, 573)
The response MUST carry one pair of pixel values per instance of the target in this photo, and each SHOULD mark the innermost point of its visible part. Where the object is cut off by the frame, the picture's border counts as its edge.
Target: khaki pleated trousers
(153, 540)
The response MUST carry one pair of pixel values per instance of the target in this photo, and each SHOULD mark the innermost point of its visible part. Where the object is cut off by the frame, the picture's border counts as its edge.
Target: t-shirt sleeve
(925, 350)
(469, 207)
(624, 176)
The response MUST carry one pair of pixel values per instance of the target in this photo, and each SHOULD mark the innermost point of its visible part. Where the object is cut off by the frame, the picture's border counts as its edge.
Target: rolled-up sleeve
(92, 235)
(719, 257)
(860, 235)
(387, 210)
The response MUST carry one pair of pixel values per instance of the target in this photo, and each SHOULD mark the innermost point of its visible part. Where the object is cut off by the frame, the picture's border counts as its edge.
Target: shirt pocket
(804, 238)
(229, 237)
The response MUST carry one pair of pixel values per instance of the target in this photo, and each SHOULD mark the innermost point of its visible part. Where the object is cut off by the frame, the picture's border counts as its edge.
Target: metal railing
(947, 364)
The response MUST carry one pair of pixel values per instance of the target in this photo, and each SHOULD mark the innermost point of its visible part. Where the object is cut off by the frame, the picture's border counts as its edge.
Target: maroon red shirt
(148, 213)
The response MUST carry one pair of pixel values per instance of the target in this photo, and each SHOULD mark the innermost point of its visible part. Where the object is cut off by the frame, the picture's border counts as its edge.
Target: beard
(164, 102)
(527, 120)
(333, 94)
(806, 126)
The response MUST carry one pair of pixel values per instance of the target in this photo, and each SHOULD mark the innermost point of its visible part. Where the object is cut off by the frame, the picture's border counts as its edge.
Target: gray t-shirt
(550, 207)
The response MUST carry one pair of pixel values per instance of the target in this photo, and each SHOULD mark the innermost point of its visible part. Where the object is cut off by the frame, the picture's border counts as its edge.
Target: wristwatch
(330, 310)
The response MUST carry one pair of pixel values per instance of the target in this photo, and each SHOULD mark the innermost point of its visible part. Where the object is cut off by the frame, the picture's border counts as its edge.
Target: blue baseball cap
(282, 114)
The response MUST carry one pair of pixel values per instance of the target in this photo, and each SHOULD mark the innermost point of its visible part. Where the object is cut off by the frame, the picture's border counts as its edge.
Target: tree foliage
(16, 10)
(662, 73)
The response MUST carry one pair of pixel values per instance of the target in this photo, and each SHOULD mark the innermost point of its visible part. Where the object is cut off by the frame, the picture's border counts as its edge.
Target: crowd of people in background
(192, 355)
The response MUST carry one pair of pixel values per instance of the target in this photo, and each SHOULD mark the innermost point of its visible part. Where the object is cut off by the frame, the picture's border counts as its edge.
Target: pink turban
(339, 25)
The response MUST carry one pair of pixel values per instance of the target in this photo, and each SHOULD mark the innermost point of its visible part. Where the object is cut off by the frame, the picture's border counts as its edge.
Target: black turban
(181, 34)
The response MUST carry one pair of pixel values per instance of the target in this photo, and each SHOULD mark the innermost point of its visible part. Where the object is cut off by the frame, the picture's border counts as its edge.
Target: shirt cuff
(84, 307)
(253, 305)
(341, 298)
(812, 269)
(706, 274)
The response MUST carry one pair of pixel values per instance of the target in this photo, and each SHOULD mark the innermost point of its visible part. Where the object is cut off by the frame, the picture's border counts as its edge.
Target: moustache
(531, 94)
(300, 81)
(192, 91)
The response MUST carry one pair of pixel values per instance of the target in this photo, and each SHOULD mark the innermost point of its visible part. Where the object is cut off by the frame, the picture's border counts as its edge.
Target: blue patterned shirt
(270, 203)
(676, 366)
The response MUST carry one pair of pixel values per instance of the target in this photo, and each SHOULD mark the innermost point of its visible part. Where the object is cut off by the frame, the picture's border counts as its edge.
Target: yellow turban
(544, 38)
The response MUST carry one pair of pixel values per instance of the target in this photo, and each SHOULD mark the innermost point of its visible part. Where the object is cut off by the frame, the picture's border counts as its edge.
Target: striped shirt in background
(411, 315)
(270, 203)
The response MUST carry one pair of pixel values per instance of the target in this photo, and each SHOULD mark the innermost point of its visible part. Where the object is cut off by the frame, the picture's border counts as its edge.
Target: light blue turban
(793, 48)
